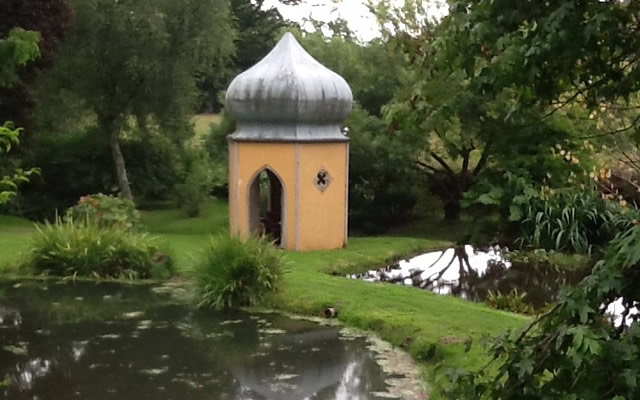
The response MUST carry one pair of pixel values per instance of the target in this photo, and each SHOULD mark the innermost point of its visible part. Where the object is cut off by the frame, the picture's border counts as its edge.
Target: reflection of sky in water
(442, 269)
(441, 272)
(318, 366)
(616, 309)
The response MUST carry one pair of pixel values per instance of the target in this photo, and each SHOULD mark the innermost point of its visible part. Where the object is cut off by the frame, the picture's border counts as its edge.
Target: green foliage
(9, 183)
(84, 249)
(105, 212)
(215, 144)
(257, 31)
(513, 301)
(49, 22)
(453, 132)
(119, 66)
(547, 51)
(155, 165)
(16, 50)
(574, 351)
(234, 273)
(196, 189)
(571, 220)
(379, 171)
(372, 70)
(73, 165)
(79, 162)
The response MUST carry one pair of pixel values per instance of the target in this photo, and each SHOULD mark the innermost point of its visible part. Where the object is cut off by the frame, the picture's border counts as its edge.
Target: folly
(288, 158)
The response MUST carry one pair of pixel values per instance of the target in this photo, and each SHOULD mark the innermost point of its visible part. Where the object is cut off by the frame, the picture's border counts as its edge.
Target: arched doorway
(266, 202)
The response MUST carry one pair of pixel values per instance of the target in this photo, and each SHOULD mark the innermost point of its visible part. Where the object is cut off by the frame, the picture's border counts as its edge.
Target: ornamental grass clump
(67, 248)
(234, 273)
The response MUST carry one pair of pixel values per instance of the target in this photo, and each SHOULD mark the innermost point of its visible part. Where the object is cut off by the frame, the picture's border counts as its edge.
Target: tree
(558, 55)
(452, 132)
(16, 50)
(550, 53)
(137, 61)
(372, 69)
(458, 131)
(258, 30)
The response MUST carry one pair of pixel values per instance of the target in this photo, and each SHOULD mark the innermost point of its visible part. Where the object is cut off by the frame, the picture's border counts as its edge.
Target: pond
(471, 273)
(110, 341)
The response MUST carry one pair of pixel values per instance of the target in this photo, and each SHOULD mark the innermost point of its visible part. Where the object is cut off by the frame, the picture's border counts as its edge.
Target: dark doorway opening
(266, 205)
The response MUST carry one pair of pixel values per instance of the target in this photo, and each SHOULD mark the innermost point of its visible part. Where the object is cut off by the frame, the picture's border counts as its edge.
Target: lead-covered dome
(289, 96)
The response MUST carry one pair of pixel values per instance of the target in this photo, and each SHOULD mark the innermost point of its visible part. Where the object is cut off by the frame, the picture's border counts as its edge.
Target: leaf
(515, 213)
(525, 367)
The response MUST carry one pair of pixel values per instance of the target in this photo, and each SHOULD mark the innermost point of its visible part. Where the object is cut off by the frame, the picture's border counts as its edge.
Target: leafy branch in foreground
(16, 50)
(576, 350)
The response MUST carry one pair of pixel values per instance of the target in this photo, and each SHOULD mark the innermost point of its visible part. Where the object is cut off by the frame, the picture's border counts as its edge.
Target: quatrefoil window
(322, 180)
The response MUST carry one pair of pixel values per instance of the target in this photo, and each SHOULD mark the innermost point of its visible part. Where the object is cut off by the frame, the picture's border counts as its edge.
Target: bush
(72, 249)
(234, 273)
(195, 190)
(573, 220)
(155, 164)
(75, 163)
(215, 143)
(513, 302)
(105, 212)
(382, 176)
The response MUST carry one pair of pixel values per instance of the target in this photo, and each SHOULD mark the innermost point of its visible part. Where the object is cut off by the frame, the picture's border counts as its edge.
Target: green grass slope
(433, 328)
(15, 234)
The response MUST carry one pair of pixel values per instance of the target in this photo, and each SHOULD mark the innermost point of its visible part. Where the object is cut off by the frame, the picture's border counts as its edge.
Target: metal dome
(289, 96)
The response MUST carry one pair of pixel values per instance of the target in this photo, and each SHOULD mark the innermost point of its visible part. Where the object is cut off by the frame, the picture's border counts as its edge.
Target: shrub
(573, 220)
(568, 219)
(513, 301)
(105, 211)
(234, 273)
(195, 190)
(84, 249)
(382, 176)
(215, 143)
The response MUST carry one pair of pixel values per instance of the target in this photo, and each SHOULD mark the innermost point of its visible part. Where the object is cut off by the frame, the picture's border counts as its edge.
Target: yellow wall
(322, 215)
(312, 219)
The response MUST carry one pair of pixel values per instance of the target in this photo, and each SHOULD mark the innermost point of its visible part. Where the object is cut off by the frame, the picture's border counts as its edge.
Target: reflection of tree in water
(541, 281)
(464, 268)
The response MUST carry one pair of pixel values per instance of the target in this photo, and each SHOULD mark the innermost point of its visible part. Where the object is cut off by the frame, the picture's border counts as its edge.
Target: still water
(108, 341)
(470, 273)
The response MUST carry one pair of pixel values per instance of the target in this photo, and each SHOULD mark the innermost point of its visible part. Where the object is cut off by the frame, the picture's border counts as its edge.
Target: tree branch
(442, 162)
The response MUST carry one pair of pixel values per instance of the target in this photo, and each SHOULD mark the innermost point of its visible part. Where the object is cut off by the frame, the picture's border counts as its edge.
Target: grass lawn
(432, 328)
(184, 238)
(14, 239)
(202, 123)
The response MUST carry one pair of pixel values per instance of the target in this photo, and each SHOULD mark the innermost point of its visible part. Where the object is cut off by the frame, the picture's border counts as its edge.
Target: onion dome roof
(289, 96)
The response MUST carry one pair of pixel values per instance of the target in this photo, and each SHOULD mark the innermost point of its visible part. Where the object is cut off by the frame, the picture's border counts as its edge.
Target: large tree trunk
(118, 160)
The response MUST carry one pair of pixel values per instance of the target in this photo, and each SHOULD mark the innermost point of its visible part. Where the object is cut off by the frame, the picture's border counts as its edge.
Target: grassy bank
(432, 328)
(14, 239)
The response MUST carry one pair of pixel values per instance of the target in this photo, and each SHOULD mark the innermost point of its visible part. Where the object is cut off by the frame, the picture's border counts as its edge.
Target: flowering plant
(105, 211)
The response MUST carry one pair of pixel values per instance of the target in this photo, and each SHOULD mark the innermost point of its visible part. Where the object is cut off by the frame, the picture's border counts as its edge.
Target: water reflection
(471, 273)
(309, 365)
(148, 347)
